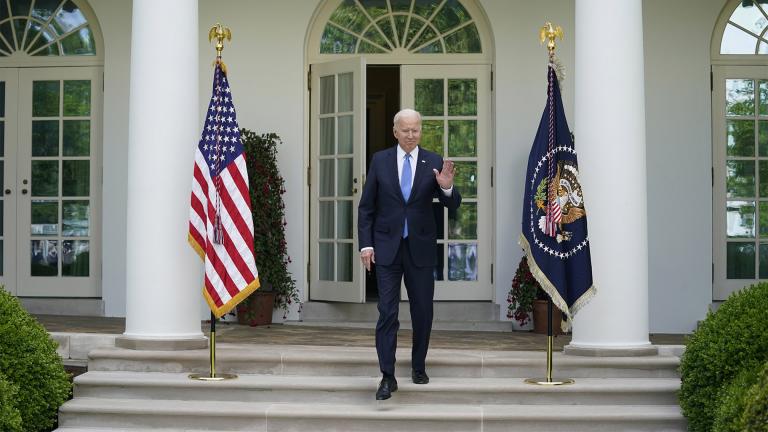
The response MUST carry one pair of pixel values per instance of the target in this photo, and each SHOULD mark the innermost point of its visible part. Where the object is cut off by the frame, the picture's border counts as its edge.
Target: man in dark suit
(397, 232)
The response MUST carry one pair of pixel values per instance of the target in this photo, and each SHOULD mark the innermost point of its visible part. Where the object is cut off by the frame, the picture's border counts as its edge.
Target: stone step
(386, 416)
(484, 326)
(360, 390)
(355, 361)
(360, 312)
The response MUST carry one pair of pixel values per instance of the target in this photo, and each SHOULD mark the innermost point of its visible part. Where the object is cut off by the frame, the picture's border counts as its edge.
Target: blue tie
(405, 186)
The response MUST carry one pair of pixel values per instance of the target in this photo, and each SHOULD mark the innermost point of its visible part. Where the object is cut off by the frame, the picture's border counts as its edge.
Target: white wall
(679, 154)
(266, 64)
(115, 20)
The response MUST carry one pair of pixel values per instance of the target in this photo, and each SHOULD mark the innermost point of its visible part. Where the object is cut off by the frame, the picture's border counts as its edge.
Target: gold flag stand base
(549, 381)
(212, 376)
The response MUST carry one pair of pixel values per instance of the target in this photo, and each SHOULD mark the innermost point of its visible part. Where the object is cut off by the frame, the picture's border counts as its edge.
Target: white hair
(405, 112)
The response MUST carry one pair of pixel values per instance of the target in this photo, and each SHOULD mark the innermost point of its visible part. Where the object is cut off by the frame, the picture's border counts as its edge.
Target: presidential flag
(554, 235)
(220, 221)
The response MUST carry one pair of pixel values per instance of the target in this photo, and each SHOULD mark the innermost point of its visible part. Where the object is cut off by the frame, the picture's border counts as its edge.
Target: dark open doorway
(383, 102)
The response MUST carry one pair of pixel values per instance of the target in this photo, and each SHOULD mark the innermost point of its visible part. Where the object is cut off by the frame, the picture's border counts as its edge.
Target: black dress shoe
(386, 387)
(419, 377)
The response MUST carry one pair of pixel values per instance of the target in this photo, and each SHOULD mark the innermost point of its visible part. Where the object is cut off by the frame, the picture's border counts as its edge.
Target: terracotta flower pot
(540, 318)
(256, 310)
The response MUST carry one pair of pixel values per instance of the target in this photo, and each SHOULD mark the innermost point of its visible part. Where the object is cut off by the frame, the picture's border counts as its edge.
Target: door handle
(24, 191)
(7, 191)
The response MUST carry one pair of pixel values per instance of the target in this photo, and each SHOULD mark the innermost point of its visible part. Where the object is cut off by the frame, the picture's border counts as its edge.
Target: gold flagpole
(220, 33)
(548, 34)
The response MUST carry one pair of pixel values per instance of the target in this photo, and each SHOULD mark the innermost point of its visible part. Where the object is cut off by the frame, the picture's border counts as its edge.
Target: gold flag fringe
(551, 290)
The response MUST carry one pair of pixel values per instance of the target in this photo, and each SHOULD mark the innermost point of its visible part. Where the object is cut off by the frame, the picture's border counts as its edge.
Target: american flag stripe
(220, 220)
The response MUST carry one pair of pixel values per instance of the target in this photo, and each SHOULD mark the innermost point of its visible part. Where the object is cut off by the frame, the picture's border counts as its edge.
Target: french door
(454, 102)
(337, 172)
(51, 193)
(740, 184)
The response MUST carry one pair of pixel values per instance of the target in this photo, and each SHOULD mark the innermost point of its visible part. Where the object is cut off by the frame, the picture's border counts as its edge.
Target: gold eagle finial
(220, 33)
(549, 33)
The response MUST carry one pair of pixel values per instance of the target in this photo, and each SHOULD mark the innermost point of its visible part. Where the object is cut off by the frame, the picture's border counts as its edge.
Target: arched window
(44, 28)
(382, 26)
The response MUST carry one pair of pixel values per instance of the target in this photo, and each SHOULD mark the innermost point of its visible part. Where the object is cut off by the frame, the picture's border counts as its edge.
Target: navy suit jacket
(383, 210)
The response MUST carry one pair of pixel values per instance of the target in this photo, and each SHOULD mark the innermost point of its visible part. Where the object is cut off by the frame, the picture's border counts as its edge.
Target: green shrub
(755, 415)
(10, 419)
(29, 360)
(728, 341)
(732, 400)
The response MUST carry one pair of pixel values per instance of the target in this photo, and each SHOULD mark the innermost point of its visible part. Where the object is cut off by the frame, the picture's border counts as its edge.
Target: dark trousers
(420, 285)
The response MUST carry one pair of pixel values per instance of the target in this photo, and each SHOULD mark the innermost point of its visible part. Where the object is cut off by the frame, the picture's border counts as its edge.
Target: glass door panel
(455, 107)
(740, 155)
(337, 171)
(59, 189)
(8, 190)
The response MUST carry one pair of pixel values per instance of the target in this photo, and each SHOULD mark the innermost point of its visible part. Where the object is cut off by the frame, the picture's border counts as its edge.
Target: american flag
(220, 223)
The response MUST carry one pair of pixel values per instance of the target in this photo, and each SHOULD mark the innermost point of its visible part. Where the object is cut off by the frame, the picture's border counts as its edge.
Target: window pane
(326, 220)
(413, 29)
(44, 258)
(400, 23)
(427, 35)
(462, 224)
(366, 48)
(2, 98)
(45, 178)
(327, 142)
(345, 92)
(739, 97)
(763, 261)
(345, 134)
(2, 224)
(749, 17)
(762, 138)
(76, 177)
(344, 262)
(337, 41)
(740, 137)
(77, 137)
(462, 261)
(737, 41)
(450, 16)
(344, 226)
(763, 219)
(385, 24)
(425, 8)
(327, 178)
(75, 219)
(374, 35)
(44, 9)
(763, 95)
(740, 179)
(327, 94)
(400, 5)
(432, 136)
(466, 178)
(462, 97)
(77, 98)
(345, 177)
(740, 262)
(2, 265)
(79, 43)
(763, 178)
(326, 261)
(464, 40)
(45, 137)
(429, 97)
(433, 48)
(2, 138)
(45, 218)
(349, 16)
(740, 219)
(68, 18)
(75, 257)
(462, 138)
(375, 8)
(7, 33)
(45, 98)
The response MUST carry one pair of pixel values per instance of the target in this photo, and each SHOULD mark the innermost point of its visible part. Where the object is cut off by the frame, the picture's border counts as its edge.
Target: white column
(164, 279)
(610, 137)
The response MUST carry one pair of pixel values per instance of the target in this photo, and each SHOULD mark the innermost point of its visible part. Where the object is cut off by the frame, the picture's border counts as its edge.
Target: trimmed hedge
(29, 361)
(755, 415)
(733, 339)
(732, 400)
(10, 419)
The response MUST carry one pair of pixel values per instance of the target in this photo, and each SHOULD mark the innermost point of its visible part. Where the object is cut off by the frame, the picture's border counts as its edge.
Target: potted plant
(267, 186)
(527, 302)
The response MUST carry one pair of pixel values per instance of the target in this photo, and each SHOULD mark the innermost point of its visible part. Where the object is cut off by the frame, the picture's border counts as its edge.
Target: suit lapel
(421, 168)
(392, 163)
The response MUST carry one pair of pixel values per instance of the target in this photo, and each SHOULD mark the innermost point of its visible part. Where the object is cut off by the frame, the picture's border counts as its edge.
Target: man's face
(408, 132)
